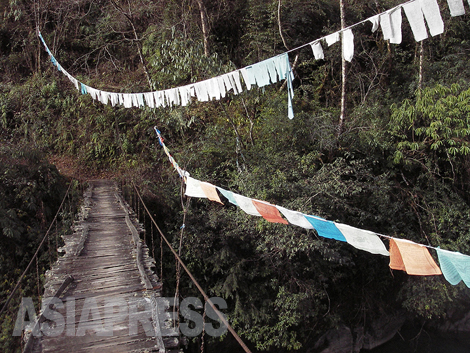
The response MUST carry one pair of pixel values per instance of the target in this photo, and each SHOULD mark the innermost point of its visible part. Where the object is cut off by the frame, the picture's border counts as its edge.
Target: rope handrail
(206, 297)
(35, 254)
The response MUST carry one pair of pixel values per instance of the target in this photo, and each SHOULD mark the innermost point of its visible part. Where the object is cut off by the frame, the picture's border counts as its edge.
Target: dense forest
(391, 156)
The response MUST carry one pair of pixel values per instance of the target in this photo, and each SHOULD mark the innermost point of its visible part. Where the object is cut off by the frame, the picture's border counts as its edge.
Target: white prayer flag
(317, 50)
(390, 22)
(332, 38)
(363, 239)
(375, 22)
(222, 89)
(185, 95)
(104, 97)
(432, 13)
(235, 77)
(415, 18)
(295, 218)
(348, 45)
(456, 7)
(193, 188)
(247, 77)
(149, 99)
(246, 205)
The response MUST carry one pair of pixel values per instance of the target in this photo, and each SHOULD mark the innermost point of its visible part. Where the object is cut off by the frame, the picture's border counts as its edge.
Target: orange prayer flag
(413, 258)
(396, 261)
(210, 192)
(269, 212)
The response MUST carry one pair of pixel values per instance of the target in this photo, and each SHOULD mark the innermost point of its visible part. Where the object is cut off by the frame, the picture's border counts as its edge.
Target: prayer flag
(228, 195)
(332, 38)
(317, 50)
(415, 18)
(295, 218)
(456, 7)
(246, 205)
(363, 239)
(149, 99)
(375, 22)
(390, 22)
(269, 212)
(235, 78)
(432, 13)
(348, 45)
(185, 95)
(193, 187)
(271, 67)
(324, 228)
(413, 258)
(455, 266)
(210, 192)
(248, 77)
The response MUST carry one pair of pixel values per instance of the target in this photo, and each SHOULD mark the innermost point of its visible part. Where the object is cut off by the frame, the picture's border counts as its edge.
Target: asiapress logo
(156, 316)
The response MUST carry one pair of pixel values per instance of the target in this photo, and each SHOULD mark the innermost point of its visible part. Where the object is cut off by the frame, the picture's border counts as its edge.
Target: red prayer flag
(269, 212)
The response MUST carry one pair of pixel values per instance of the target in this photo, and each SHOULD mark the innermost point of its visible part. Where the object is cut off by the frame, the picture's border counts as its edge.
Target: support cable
(206, 298)
(178, 267)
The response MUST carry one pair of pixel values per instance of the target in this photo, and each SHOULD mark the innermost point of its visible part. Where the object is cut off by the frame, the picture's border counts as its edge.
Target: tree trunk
(280, 26)
(205, 26)
(343, 75)
(421, 60)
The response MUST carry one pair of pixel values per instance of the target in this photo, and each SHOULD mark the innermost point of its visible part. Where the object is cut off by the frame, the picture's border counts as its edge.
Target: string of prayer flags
(182, 173)
(269, 212)
(413, 258)
(455, 266)
(404, 255)
(325, 229)
(278, 68)
(363, 239)
(261, 74)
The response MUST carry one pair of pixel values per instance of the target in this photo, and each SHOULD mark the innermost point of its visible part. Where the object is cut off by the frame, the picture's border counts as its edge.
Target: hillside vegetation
(398, 166)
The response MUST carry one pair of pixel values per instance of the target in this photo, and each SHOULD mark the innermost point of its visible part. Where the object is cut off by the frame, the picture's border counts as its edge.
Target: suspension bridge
(106, 267)
(102, 294)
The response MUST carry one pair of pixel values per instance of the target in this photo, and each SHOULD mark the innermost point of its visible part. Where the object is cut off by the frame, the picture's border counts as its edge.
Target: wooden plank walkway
(113, 285)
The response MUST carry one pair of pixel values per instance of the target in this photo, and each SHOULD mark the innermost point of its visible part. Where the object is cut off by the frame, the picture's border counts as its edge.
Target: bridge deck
(108, 288)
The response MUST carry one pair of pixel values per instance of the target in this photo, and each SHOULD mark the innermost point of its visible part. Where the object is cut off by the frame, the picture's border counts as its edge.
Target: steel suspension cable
(206, 298)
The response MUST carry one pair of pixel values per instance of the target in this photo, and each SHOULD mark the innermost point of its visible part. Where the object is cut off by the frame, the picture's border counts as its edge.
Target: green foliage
(30, 193)
(179, 60)
(433, 133)
(438, 123)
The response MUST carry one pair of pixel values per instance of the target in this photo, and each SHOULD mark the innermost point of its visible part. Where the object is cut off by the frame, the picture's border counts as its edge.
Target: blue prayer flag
(454, 266)
(326, 229)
